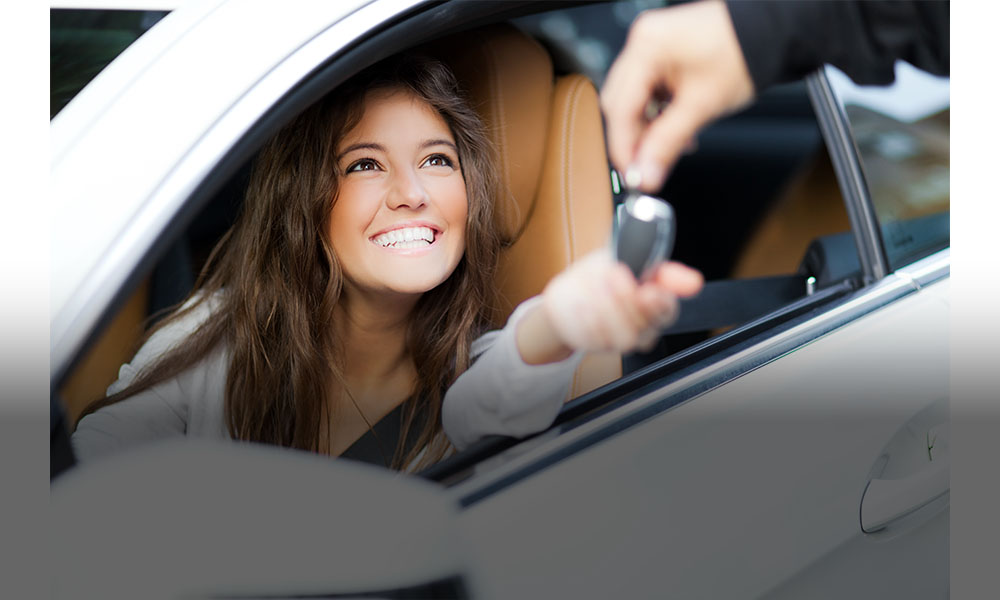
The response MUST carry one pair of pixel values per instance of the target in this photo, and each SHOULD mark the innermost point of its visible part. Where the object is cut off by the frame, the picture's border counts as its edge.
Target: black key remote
(645, 233)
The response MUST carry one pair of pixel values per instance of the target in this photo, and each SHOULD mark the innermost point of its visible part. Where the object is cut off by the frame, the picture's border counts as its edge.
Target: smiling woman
(345, 312)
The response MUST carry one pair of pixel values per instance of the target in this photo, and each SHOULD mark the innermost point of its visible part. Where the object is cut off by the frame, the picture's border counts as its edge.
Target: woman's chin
(416, 287)
(412, 282)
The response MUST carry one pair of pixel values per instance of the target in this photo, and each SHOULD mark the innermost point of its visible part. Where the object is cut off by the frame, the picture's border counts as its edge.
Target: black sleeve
(784, 40)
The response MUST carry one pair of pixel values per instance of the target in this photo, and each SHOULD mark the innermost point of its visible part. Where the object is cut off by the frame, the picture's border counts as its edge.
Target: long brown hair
(276, 279)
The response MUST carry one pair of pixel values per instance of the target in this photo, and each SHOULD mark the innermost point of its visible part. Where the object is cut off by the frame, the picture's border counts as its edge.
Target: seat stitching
(572, 100)
(501, 123)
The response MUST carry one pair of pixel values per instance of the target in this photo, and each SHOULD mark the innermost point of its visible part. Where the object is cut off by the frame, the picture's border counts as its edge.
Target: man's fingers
(623, 101)
(666, 138)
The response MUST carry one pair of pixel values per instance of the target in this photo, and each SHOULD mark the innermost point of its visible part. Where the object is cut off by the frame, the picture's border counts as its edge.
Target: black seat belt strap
(726, 302)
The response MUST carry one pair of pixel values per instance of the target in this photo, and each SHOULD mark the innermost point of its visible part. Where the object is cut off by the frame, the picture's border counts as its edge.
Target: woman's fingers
(596, 303)
(658, 306)
(623, 287)
(678, 279)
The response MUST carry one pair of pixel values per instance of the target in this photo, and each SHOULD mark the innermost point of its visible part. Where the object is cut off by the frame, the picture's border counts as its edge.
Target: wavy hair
(278, 280)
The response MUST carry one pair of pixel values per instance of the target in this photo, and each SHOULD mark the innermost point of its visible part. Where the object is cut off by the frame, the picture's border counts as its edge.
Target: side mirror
(224, 519)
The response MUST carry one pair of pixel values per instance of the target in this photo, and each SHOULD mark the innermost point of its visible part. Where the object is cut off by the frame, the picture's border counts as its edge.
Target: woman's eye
(438, 160)
(365, 164)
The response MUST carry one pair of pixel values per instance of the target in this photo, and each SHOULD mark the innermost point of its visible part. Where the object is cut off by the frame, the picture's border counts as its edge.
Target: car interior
(758, 207)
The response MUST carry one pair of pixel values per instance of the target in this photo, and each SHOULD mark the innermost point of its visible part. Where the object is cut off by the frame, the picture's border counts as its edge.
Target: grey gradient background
(975, 518)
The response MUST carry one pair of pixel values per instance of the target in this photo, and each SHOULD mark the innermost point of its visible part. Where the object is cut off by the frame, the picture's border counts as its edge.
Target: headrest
(509, 81)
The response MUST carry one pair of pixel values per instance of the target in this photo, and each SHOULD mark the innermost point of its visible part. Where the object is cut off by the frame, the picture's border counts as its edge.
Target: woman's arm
(145, 417)
(518, 384)
(501, 393)
(190, 403)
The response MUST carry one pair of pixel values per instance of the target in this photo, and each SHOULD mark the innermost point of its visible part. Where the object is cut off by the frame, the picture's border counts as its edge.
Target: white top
(498, 394)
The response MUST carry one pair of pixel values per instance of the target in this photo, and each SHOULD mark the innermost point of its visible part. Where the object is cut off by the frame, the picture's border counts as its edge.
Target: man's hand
(688, 55)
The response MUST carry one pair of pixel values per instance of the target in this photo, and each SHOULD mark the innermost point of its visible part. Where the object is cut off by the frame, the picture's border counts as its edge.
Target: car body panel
(736, 491)
(221, 532)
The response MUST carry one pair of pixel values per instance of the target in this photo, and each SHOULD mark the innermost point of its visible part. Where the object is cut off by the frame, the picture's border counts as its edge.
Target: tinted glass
(83, 42)
(902, 133)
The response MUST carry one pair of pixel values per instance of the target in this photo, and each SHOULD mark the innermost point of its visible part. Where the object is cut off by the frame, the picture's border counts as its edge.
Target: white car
(787, 438)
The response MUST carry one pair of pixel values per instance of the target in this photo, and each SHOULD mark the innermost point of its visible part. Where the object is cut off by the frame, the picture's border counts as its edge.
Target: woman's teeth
(407, 237)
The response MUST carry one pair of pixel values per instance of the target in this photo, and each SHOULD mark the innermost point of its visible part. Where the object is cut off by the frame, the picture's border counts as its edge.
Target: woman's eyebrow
(438, 142)
(361, 146)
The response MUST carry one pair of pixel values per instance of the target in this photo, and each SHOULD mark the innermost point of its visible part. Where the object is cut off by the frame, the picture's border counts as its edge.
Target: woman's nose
(407, 191)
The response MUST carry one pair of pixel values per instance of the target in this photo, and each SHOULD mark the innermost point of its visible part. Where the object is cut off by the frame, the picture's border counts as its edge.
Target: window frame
(850, 176)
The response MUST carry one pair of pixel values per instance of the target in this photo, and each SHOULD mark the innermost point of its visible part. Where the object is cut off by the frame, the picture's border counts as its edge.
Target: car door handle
(886, 500)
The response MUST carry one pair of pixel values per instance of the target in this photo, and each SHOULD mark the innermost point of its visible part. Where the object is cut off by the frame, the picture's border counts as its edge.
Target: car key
(645, 233)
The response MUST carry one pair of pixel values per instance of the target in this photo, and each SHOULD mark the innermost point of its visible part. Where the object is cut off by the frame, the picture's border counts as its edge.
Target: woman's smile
(410, 236)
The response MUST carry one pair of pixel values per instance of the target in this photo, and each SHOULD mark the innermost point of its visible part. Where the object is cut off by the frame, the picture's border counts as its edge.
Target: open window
(758, 207)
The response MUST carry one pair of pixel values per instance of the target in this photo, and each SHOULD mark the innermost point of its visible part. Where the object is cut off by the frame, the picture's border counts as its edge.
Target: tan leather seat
(99, 366)
(550, 139)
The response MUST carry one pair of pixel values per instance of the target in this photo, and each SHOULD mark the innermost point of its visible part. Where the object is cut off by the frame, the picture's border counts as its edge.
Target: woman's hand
(596, 304)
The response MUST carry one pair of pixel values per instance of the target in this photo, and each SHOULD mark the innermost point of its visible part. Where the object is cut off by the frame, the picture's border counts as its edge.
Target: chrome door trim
(553, 446)
(850, 176)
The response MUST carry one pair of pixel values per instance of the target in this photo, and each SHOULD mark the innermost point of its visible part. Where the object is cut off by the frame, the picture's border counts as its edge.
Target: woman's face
(398, 222)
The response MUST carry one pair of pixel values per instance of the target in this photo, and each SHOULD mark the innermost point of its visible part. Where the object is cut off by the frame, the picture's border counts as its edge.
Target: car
(788, 437)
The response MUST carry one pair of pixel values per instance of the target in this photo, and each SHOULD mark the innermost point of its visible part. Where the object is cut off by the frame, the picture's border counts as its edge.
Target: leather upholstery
(550, 139)
(508, 78)
(98, 368)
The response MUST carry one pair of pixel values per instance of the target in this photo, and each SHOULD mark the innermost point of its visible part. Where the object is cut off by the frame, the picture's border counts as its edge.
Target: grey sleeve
(500, 394)
(146, 417)
(162, 411)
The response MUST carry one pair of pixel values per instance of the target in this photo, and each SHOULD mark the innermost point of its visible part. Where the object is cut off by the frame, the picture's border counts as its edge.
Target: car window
(83, 42)
(758, 207)
(902, 133)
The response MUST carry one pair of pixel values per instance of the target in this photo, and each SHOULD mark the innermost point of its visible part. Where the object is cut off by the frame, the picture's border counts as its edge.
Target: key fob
(645, 233)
